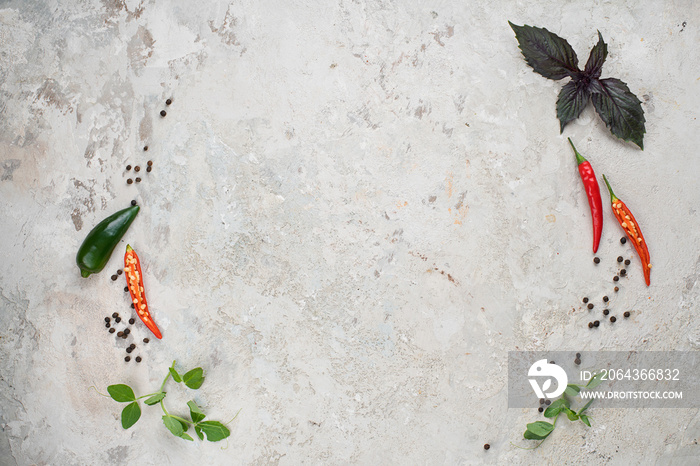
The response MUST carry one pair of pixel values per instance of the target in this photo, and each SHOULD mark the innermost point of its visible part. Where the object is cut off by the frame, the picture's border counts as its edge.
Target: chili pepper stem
(613, 197)
(579, 158)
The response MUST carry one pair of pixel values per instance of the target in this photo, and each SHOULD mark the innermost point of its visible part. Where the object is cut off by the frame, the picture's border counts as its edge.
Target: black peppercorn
(146, 340)
(129, 349)
(626, 314)
(596, 323)
(578, 355)
(606, 299)
(148, 169)
(590, 306)
(127, 359)
(126, 288)
(623, 240)
(548, 402)
(617, 289)
(128, 167)
(129, 181)
(131, 321)
(149, 163)
(590, 324)
(138, 180)
(627, 262)
(132, 346)
(619, 258)
(119, 334)
(107, 325)
(541, 401)
(138, 358)
(132, 306)
(124, 336)
(118, 319)
(119, 272)
(613, 319)
(577, 361)
(133, 202)
(168, 102)
(616, 278)
(138, 169)
(585, 300)
(145, 148)
(127, 331)
(623, 272)
(106, 319)
(114, 278)
(606, 312)
(552, 362)
(163, 113)
(115, 314)
(111, 330)
(540, 409)
(596, 260)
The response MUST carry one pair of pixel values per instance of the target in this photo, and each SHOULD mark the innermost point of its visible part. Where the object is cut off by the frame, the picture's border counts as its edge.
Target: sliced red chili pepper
(134, 280)
(590, 184)
(634, 233)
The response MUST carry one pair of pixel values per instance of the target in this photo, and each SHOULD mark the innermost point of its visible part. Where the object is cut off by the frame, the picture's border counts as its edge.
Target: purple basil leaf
(547, 53)
(573, 98)
(594, 65)
(620, 109)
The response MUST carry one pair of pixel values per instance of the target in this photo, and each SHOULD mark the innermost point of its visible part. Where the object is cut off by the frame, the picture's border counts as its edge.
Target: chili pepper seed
(112, 330)
(585, 300)
(623, 240)
(596, 260)
(138, 358)
(613, 319)
(606, 312)
(163, 113)
(590, 306)
(114, 278)
(626, 314)
(129, 181)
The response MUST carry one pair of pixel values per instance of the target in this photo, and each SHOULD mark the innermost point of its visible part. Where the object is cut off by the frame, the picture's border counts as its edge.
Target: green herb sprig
(553, 57)
(178, 426)
(540, 430)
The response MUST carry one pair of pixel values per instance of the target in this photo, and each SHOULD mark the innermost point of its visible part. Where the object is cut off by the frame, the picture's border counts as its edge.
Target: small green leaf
(199, 432)
(194, 378)
(538, 430)
(155, 398)
(187, 437)
(195, 413)
(217, 431)
(585, 420)
(121, 393)
(130, 414)
(596, 380)
(572, 390)
(173, 425)
(556, 407)
(571, 414)
(585, 407)
(176, 376)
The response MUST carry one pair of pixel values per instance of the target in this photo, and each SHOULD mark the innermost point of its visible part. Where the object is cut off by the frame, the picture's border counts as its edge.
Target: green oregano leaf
(130, 414)
(214, 430)
(620, 109)
(155, 398)
(121, 393)
(547, 53)
(194, 378)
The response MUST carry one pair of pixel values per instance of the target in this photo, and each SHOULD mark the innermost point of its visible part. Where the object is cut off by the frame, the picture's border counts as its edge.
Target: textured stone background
(357, 208)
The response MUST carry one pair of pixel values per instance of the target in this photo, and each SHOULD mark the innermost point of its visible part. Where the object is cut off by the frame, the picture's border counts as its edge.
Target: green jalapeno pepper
(101, 241)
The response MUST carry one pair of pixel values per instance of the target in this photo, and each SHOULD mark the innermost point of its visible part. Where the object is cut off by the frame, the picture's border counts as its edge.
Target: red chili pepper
(590, 184)
(632, 230)
(134, 280)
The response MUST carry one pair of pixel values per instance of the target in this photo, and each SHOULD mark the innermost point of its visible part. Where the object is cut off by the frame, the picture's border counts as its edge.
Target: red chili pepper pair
(620, 210)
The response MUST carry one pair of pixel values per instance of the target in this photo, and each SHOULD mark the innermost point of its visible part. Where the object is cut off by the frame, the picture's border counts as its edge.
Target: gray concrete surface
(357, 208)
